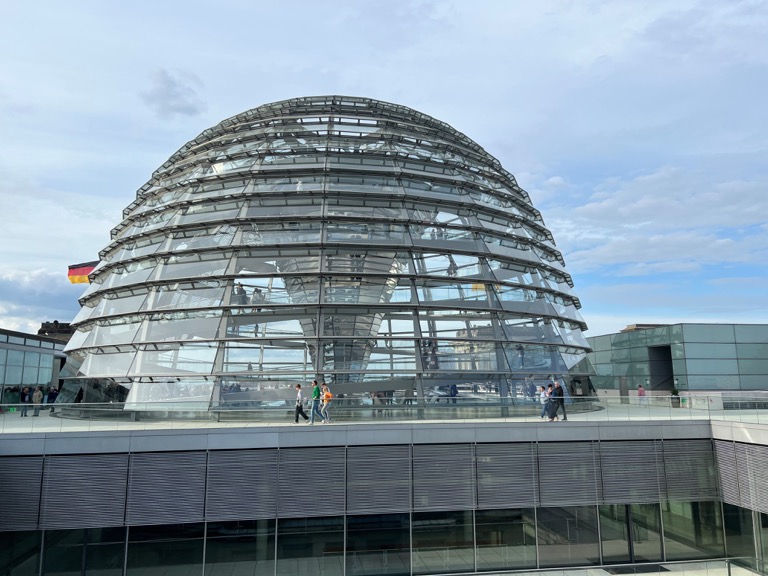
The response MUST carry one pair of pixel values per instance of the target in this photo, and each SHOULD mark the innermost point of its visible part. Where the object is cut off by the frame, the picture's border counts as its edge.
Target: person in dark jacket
(25, 397)
(52, 395)
(559, 397)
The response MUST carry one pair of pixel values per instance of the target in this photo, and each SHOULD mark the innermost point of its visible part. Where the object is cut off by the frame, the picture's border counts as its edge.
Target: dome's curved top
(332, 104)
(329, 236)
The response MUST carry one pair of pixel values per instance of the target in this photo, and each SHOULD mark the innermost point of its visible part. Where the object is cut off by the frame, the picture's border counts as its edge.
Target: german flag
(78, 273)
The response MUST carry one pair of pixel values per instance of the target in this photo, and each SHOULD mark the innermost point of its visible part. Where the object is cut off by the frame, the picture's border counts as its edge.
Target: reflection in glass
(171, 547)
(378, 544)
(739, 531)
(506, 539)
(630, 533)
(20, 553)
(244, 547)
(568, 536)
(310, 546)
(692, 530)
(443, 542)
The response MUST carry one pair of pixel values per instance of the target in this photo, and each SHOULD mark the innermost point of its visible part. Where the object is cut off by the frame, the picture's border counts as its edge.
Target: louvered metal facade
(93, 490)
(743, 474)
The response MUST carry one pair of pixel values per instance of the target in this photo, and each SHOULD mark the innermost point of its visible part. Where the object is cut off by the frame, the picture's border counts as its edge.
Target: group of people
(35, 398)
(320, 404)
(552, 399)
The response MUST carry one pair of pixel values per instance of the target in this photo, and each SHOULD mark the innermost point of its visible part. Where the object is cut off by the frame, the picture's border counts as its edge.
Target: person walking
(25, 398)
(640, 395)
(325, 395)
(315, 409)
(544, 401)
(559, 397)
(37, 400)
(299, 410)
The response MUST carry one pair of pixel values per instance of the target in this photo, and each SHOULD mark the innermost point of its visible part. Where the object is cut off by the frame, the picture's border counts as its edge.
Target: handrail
(72, 416)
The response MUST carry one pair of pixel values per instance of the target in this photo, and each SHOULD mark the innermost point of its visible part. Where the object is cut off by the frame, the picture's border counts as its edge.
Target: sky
(639, 128)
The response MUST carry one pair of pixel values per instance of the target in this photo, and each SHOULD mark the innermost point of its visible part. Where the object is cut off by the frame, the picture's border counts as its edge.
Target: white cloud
(174, 93)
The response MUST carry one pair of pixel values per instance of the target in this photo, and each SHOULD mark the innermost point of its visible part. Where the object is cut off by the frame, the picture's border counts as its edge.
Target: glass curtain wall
(401, 544)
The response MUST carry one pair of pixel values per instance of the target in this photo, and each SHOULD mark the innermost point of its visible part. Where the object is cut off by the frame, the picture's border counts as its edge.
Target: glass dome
(345, 239)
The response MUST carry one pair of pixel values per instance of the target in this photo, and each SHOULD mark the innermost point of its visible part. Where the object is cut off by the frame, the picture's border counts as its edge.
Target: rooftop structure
(345, 239)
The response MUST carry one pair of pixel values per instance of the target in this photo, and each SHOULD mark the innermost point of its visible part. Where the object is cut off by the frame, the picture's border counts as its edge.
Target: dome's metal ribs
(344, 238)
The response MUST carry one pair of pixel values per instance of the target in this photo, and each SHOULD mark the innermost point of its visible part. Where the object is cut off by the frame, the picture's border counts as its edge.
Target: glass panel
(646, 532)
(15, 358)
(456, 294)
(443, 542)
(692, 530)
(242, 548)
(20, 553)
(708, 333)
(206, 212)
(751, 333)
(201, 294)
(697, 350)
(378, 544)
(752, 350)
(105, 551)
(568, 536)
(716, 366)
(349, 290)
(212, 237)
(283, 233)
(175, 358)
(269, 324)
(176, 548)
(310, 546)
(506, 539)
(739, 531)
(120, 303)
(614, 533)
(194, 265)
(111, 332)
(116, 364)
(181, 326)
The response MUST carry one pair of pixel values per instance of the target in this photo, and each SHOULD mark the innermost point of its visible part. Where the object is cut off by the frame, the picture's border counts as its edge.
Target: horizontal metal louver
(725, 456)
(443, 477)
(241, 484)
(758, 480)
(311, 482)
(506, 476)
(742, 469)
(166, 488)
(20, 481)
(378, 479)
(689, 469)
(84, 491)
(569, 474)
(632, 472)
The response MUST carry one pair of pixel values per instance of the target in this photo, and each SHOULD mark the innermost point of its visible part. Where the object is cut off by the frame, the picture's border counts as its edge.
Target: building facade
(27, 360)
(689, 357)
(371, 500)
(345, 239)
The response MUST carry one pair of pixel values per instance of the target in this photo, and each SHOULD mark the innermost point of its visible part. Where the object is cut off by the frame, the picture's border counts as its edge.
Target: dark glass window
(310, 546)
(174, 547)
(63, 552)
(378, 544)
(243, 547)
(443, 542)
(20, 553)
(506, 539)
(692, 530)
(739, 531)
(568, 536)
